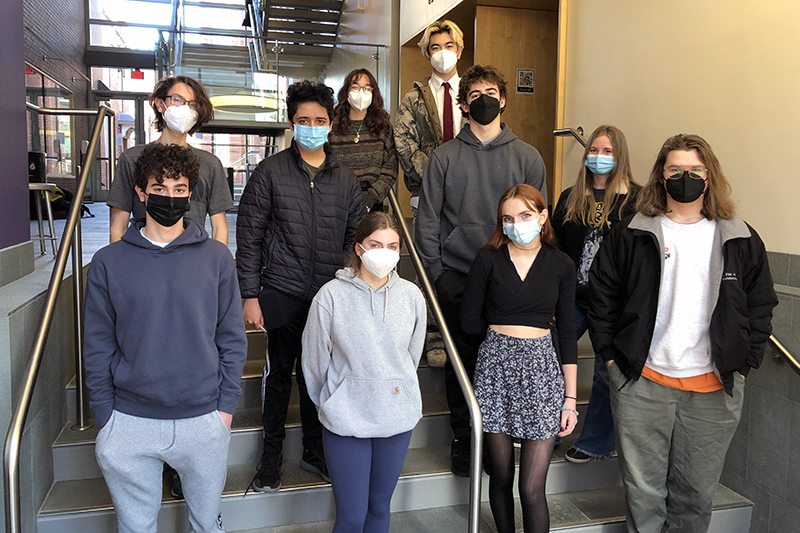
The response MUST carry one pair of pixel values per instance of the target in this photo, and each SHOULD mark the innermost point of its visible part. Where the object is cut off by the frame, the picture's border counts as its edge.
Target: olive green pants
(672, 446)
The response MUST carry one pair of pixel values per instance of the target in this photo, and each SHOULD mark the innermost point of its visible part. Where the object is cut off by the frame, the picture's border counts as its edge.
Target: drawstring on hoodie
(385, 301)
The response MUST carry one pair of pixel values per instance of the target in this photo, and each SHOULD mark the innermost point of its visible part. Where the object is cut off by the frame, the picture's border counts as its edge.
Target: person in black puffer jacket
(297, 220)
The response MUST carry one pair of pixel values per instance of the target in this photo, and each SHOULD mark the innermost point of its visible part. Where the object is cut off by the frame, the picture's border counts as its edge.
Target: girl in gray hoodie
(361, 346)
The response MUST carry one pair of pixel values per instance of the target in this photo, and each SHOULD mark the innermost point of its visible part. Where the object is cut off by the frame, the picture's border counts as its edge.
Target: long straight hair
(377, 118)
(580, 203)
(717, 203)
(535, 202)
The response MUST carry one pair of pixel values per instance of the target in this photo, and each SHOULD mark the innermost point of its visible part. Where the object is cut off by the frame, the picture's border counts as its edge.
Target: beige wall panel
(725, 69)
(523, 38)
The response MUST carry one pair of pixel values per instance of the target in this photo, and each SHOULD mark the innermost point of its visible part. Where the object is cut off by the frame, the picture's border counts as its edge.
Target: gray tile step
(425, 482)
(74, 457)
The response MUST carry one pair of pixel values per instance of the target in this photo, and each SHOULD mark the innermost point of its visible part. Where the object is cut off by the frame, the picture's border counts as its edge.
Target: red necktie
(447, 127)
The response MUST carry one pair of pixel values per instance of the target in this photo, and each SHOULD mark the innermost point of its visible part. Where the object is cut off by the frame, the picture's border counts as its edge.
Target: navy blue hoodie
(164, 333)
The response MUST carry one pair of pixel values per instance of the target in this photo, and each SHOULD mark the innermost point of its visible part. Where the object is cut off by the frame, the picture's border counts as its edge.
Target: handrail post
(82, 423)
(476, 453)
(14, 435)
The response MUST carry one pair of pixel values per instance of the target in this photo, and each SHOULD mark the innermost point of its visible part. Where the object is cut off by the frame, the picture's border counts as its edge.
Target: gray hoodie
(462, 185)
(361, 348)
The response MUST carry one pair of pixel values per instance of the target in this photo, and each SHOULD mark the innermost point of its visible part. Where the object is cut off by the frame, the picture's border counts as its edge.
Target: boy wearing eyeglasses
(681, 310)
(182, 107)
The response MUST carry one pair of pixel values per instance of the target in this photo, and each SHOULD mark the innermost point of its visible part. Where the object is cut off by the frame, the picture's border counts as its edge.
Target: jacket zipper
(312, 259)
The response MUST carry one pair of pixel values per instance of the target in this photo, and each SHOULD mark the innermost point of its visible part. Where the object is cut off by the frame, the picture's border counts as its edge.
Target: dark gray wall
(14, 223)
(763, 462)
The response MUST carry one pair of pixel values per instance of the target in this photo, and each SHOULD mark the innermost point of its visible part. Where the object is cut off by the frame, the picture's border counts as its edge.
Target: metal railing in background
(70, 238)
(782, 354)
(458, 366)
(577, 133)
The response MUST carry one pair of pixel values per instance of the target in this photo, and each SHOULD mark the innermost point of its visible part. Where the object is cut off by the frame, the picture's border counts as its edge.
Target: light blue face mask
(600, 164)
(311, 138)
(521, 233)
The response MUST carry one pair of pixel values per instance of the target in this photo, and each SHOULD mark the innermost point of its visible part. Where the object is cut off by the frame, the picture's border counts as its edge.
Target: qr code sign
(525, 80)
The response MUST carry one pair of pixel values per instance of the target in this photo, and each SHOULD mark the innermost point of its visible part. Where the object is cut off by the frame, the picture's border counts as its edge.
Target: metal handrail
(71, 238)
(461, 374)
(780, 352)
(578, 134)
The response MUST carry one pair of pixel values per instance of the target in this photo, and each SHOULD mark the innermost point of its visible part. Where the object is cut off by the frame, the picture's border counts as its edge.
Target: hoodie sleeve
(417, 344)
(230, 338)
(537, 176)
(255, 212)
(100, 342)
(428, 233)
(317, 346)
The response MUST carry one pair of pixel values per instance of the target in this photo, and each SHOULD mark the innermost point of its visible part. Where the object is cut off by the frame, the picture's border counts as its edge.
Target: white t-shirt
(437, 88)
(159, 244)
(681, 344)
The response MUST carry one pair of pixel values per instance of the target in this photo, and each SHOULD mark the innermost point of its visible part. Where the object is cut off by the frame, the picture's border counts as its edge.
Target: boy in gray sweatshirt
(463, 182)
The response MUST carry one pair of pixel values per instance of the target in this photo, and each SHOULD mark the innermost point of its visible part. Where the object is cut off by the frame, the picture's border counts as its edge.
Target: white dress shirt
(436, 85)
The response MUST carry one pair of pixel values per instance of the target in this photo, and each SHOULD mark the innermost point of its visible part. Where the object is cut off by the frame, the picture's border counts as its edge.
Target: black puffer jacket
(292, 235)
(625, 279)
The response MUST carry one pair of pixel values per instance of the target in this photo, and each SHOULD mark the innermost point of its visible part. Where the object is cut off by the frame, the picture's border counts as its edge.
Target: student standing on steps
(361, 348)
(362, 137)
(463, 180)
(165, 347)
(429, 114)
(517, 284)
(182, 107)
(604, 194)
(297, 220)
(681, 310)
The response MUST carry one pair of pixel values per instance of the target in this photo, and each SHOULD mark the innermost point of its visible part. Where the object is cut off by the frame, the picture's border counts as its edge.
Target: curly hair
(203, 105)
(166, 161)
(377, 118)
(308, 91)
(478, 73)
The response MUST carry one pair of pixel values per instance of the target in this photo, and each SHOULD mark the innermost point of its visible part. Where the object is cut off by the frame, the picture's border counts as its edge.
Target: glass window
(209, 17)
(122, 79)
(131, 11)
(123, 37)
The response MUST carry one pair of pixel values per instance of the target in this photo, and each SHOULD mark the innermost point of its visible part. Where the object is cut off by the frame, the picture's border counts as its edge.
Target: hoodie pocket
(365, 402)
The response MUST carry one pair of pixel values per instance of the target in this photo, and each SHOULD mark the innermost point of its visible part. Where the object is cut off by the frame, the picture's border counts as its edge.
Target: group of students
(672, 285)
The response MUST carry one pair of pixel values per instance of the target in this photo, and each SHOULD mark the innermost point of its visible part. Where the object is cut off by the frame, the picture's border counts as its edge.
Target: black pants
(284, 348)
(450, 292)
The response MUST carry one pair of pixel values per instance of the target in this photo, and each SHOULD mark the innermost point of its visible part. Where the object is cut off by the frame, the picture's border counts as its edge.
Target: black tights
(533, 464)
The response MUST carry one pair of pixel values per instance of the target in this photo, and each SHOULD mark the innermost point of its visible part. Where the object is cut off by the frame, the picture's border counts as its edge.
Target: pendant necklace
(358, 133)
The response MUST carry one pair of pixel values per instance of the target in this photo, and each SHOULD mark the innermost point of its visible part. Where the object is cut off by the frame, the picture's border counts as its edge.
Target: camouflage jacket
(417, 132)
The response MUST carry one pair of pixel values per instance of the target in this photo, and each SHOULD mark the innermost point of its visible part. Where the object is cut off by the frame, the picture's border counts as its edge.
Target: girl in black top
(516, 287)
(604, 194)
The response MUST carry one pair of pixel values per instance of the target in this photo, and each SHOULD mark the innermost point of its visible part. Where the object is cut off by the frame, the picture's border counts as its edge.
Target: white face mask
(444, 61)
(180, 118)
(360, 100)
(379, 261)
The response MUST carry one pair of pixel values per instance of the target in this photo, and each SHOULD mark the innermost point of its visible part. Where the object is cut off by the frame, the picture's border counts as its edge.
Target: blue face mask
(599, 164)
(311, 138)
(521, 233)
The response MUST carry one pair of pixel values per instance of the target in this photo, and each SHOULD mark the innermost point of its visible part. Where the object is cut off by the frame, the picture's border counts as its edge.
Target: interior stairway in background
(582, 498)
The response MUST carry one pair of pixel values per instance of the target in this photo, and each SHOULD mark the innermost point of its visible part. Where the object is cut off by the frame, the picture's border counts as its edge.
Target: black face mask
(685, 190)
(484, 109)
(167, 210)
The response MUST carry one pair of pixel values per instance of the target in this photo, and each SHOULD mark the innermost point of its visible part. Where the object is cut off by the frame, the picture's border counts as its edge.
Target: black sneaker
(313, 461)
(268, 477)
(177, 488)
(459, 457)
(574, 455)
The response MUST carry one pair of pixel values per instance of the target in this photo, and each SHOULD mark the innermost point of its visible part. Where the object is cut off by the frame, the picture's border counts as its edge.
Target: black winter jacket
(625, 279)
(292, 235)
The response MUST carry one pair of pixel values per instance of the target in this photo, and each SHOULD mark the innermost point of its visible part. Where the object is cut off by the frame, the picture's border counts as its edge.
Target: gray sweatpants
(131, 452)
(672, 446)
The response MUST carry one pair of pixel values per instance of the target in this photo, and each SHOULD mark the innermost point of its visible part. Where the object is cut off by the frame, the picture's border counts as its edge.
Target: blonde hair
(444, 26)
(580, 203)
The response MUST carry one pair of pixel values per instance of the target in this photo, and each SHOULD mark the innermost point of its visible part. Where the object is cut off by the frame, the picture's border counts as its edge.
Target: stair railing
(782, 354)
(565, 132)
(70, 238)
(461, 373)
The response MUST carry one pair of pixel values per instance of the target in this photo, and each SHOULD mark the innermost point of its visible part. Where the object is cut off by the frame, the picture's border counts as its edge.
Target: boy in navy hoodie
(165, 347)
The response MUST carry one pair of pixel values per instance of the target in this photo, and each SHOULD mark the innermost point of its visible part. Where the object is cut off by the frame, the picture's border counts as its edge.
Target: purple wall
(14, 216)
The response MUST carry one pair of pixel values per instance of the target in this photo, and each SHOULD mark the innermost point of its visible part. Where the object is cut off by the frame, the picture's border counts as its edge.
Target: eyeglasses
(356, 87)
(675, 173)
(174, 99)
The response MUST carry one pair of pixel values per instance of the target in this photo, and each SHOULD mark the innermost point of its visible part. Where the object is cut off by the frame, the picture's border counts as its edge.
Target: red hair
(535, 202)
